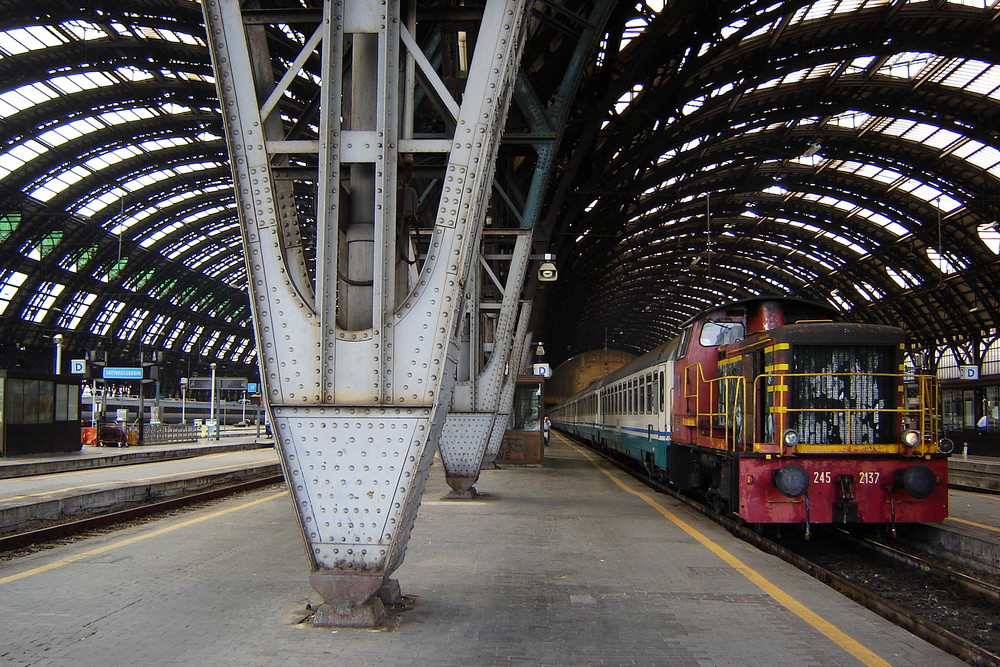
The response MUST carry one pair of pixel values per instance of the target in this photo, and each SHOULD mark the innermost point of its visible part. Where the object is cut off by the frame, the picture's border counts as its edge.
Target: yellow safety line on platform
(132, 540)
(42, 494)
(829, 630)
(973, 523)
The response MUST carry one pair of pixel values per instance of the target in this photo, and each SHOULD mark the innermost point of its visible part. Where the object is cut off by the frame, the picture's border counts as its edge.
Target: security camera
(547, 272)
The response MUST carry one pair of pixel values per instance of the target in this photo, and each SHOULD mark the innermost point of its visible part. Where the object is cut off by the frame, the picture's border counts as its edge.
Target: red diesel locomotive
(776, 414)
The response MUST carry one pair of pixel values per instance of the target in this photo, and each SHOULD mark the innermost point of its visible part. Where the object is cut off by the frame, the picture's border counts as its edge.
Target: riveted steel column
(517, 360)
(466, 434)
(356, 372)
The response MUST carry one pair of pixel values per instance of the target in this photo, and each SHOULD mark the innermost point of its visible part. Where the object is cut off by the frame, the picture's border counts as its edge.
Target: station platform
(567, 563)
(91, 456)
(41, 489)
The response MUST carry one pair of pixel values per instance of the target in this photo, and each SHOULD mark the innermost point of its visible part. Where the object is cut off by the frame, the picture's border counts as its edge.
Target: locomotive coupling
(792, 480)
(919, 481)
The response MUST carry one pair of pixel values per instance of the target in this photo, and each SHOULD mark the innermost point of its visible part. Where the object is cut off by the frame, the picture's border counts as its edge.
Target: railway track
(956, 611)
(73, 527)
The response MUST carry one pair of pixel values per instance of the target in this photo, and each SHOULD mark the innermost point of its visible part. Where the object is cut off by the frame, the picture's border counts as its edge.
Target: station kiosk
(522, 443)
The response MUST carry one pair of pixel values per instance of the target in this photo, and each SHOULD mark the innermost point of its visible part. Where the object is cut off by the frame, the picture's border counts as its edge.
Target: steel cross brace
(355, 356)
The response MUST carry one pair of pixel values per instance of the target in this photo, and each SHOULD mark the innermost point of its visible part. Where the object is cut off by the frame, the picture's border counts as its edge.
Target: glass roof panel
(22, 40)
(990, 236)
(10, 282)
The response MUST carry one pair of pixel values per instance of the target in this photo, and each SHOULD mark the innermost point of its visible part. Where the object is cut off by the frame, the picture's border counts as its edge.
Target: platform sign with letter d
(968, 372)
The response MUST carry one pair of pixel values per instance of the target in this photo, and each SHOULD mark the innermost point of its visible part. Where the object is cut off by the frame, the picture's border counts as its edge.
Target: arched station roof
(844, 151)
(839, 150)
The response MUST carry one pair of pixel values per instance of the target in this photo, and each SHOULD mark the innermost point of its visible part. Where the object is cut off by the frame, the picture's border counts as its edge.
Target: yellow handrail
(730, 412)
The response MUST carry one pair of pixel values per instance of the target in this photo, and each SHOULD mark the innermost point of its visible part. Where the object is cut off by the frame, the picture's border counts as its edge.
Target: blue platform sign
(251, 387)
(122, 373)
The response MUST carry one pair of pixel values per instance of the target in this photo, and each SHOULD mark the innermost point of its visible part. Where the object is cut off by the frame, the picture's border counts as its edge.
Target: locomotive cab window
(714, 334)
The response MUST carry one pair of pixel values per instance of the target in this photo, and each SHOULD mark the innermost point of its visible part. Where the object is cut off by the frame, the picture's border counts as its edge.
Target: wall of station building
(970, 408)
(970, 415)
(579, 372)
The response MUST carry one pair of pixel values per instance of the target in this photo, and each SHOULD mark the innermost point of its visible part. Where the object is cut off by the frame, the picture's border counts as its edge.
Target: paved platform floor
(560, 564)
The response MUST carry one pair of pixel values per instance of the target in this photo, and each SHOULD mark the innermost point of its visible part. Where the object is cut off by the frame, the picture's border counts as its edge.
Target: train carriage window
(682, 347)
(649, 394)
(714, 334)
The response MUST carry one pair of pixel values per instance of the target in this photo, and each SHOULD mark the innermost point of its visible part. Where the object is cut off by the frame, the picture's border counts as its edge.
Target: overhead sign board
(222, 383)
(232, 384)
(969, 372)
(78, 366)
(121, 373)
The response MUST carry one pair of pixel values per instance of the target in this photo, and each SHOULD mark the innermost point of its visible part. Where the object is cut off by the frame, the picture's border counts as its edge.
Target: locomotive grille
(837, 400)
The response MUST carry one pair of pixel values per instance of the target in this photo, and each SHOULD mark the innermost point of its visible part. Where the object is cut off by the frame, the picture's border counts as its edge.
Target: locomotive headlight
(911, 438)
(790, 438)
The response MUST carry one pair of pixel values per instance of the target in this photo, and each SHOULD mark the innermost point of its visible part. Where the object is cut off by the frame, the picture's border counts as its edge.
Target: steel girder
(358, 356)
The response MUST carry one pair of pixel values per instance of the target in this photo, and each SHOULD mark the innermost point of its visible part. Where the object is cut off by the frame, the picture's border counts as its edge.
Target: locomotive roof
(668, 350)
(826, 308)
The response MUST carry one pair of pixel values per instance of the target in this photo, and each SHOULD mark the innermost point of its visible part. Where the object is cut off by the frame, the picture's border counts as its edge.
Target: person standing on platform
(546, 426)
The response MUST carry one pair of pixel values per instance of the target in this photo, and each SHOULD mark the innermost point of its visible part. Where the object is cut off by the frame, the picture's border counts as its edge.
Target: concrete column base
(371, 614)
(349, 599)
(462, 486)
(462, 494)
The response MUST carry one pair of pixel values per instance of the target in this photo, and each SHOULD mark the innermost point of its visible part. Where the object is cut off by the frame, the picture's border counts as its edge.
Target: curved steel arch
(615, 165)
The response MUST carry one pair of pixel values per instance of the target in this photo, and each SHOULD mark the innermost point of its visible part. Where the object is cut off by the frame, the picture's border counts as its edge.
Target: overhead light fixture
(540, 350)
(813, 148)
(547, 272)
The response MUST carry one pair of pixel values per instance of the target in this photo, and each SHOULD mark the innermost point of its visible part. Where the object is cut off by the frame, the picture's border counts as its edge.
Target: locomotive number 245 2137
(864, 477)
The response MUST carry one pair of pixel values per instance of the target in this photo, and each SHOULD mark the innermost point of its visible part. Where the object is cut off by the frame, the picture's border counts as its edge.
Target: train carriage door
(764, 398)
(666, 405)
